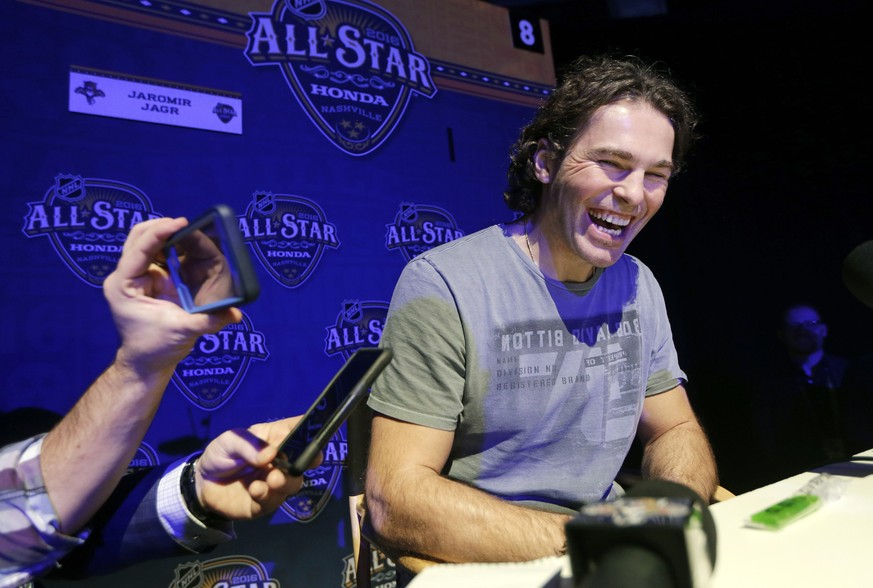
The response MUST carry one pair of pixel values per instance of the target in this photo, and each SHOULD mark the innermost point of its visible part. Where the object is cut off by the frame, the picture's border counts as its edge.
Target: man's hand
(86, 454)
(235, 476)
(156, 333)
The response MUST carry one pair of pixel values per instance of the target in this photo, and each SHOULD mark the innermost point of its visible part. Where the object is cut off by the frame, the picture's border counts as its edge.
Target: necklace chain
(530, 252)
(526, 240)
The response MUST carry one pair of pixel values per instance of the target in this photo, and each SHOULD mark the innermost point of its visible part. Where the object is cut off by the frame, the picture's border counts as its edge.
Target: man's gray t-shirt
(542, 381)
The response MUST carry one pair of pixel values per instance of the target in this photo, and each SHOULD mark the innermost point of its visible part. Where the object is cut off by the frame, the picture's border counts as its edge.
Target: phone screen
(209, 264)
(333, 406)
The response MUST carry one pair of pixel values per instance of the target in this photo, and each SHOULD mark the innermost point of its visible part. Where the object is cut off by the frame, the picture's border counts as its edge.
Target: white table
(832, 546)
(829, 548)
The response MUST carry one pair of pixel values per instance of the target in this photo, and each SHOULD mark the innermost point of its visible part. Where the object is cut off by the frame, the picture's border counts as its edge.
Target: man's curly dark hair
(589, 83)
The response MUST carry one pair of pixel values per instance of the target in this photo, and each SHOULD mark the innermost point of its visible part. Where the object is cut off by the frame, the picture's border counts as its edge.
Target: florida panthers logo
(351, 66)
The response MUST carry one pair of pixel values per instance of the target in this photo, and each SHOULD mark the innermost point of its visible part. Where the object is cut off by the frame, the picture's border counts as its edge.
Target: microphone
(658, 535)
(858, 272)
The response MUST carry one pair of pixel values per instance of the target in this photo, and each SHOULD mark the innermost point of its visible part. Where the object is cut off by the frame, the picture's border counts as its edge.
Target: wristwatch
(189, 495)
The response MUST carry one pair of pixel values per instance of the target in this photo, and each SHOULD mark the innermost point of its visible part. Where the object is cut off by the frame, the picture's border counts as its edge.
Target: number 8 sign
(526, 32)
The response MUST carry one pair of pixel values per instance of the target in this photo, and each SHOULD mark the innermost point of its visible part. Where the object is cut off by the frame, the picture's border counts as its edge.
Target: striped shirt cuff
(187, 530)
(29, 526)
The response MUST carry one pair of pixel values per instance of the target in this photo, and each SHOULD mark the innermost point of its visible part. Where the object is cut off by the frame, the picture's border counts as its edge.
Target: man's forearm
(442, 520)
(683, 454)
(86, 454)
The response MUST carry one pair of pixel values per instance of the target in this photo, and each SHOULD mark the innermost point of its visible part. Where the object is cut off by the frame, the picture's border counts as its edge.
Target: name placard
(103, 93)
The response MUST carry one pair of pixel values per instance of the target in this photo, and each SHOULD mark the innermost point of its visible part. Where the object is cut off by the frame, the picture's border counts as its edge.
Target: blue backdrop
(75, 181)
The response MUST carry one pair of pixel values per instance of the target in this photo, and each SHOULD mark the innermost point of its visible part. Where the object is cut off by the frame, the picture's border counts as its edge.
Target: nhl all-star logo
(223, 572)
(288, 234)
(224, 112)
(350, 63)
(87, 221)
(320, 482)
(213, 370)
(359, 324)
(420, 227)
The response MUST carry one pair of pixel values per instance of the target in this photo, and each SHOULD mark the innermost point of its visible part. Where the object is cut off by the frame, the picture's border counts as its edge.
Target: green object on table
(785, 511)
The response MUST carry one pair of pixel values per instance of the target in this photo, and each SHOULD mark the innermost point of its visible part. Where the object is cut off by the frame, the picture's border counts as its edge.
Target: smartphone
(346, 390)
(209, 263)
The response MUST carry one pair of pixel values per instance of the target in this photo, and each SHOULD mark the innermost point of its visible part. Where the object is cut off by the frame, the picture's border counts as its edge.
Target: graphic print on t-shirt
(593, 364)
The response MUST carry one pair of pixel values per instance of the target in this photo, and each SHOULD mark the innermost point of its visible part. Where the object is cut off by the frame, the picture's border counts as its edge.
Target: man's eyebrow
(624, 155)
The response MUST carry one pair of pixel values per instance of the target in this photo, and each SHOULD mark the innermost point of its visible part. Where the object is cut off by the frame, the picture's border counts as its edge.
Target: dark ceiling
(578, 26)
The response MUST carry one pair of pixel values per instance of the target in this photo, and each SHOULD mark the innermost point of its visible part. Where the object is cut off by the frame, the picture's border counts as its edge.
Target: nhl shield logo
(87, 221)
(351, 66)
(288, 235)
(264, 202)
(69, 188)
(213, 370)
(352, 310)
(188, 575)
(307, 8)
(420, 227)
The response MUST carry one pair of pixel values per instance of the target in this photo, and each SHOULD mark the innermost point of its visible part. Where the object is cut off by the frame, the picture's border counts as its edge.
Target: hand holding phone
(346, 390)
(209, 263)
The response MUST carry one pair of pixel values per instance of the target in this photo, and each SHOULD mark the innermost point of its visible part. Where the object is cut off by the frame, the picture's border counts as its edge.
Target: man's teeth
(608, 222)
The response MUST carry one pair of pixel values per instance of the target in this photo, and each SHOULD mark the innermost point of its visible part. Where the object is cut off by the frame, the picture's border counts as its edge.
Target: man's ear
(542, 161)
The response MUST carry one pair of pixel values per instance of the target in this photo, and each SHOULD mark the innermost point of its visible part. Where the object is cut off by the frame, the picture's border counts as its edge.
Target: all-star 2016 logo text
(420, 227)
(87, 221)
(211, 373)
(351, 66)
(359, 324)
(288, 234)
